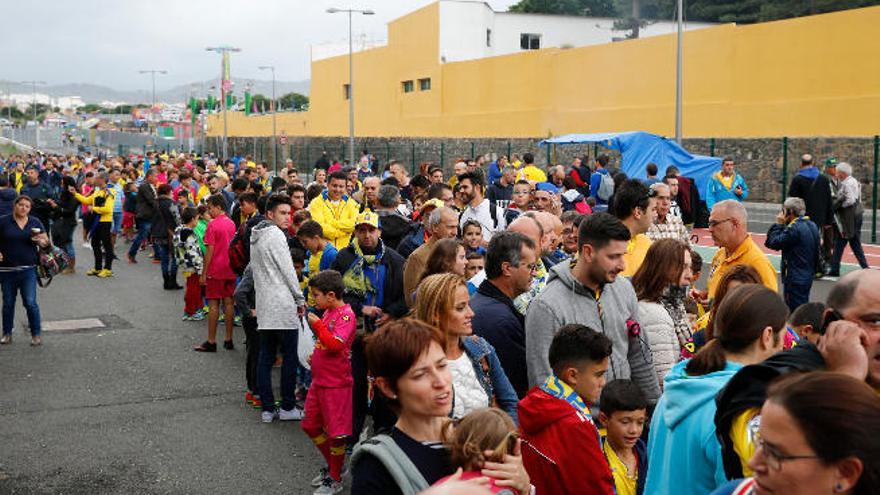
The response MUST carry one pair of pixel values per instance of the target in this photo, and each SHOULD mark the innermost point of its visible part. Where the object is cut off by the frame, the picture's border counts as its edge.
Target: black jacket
(166, 219)
(394, 227)
(393, 302)
(146, 203)
(65, 219)
(40, 194)
(497, 320)
(496, 192)
(748, 389)
(411, 241)
(816, 194)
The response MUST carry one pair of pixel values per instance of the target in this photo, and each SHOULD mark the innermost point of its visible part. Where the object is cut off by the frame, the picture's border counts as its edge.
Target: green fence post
(473, 151)
(596, 145)
(308, 156)
(784, 167)
(547, 147)
(442, 153)
(712, 147)
(874, 195)
(509, 150)
(342, 153)
(412, 167)
(387, 153)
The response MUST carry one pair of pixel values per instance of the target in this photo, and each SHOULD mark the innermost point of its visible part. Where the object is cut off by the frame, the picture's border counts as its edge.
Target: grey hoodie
(275, 283)
(565, 300)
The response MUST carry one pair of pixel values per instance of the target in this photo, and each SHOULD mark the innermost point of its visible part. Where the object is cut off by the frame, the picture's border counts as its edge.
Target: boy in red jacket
(560, 448)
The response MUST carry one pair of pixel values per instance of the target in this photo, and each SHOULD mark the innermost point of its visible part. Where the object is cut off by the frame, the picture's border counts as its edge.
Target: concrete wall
(811, 76)
(463, 26)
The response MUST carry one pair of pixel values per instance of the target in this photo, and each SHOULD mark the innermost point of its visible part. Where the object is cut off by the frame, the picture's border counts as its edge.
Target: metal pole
(874, 195)
(784, 167)
(678, 63)
(442, 153)
(153, 74)
(350, 93)
(274, 126)
(712, 147)
(36, 124)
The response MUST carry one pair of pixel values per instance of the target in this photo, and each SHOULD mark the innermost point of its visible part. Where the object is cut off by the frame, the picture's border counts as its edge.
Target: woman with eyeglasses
(818, 435)
(684, 451)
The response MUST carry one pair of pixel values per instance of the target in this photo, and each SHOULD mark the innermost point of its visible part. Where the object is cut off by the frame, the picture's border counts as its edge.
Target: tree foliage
(294, 101)
(739, 11)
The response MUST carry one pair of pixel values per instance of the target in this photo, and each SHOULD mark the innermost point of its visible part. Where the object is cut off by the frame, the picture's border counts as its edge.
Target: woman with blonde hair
(478, 378)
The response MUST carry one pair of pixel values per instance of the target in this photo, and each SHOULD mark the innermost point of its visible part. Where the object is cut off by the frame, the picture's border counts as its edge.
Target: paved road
(130, 408)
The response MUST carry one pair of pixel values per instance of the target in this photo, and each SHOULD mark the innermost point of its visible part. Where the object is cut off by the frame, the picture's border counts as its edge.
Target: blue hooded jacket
(685, 454)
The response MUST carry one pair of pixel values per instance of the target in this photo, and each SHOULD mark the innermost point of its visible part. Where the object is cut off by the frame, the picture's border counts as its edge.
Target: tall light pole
(225, 85)
(678, 62)
(334, 10)
(36, 123)
(274, 126)
(152, 73)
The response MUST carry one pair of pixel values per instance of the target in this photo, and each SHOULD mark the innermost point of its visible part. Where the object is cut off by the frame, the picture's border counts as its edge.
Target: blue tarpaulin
(638, 149)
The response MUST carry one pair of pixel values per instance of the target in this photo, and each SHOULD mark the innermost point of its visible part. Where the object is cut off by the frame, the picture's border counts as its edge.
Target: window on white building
(425, 84)
(530, 41)
(408, 86)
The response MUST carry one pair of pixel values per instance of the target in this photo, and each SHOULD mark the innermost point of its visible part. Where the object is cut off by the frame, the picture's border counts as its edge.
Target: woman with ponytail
(684, 451)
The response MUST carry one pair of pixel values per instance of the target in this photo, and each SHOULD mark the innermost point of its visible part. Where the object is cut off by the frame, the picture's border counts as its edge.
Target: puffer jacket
(660, 331)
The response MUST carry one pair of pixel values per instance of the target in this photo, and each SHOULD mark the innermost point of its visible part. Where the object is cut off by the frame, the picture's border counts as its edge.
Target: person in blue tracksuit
(726, 184)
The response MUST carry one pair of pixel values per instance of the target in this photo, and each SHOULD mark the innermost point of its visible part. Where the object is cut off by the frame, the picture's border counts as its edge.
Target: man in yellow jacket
(728, 224)
(101, 203)
(335, 211)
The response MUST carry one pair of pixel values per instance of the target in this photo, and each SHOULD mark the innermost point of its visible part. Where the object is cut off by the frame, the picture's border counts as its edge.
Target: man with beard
(589, 292)
(477, 207)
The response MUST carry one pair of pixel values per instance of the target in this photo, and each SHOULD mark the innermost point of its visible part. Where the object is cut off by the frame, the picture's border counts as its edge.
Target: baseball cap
(433, 203)
(831, 162)
(368, 218)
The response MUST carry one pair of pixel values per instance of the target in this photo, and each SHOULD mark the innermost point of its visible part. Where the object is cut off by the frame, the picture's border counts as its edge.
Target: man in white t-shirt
(477, 207)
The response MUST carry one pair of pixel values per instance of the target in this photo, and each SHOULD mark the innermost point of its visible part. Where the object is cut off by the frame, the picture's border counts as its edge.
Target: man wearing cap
(442, 224)
(420, 235)
(373, 278)
(814, 188)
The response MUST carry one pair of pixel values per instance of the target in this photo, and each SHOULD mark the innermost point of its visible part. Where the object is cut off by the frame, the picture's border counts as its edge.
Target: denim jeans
(167, 258)
(24, 281)
(68, 248)
(143, 232)
(270, 340)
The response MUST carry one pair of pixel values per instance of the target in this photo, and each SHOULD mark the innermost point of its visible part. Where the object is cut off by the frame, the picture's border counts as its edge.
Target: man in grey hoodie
(279, 305)
(588, 291)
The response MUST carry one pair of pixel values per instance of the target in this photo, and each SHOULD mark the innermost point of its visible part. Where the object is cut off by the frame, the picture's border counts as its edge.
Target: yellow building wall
(811, 76)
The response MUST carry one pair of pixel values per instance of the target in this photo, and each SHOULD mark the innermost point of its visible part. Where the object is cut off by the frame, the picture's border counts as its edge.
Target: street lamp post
(274, 126)
(223, 51)
(152, 73)
(678, 63)
(334, 10)
(36, 123)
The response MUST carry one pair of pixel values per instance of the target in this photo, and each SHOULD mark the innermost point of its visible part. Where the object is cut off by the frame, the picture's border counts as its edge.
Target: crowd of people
(506, 328)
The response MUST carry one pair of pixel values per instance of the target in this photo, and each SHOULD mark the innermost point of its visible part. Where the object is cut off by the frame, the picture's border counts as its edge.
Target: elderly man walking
(848, 212)
(798, 239)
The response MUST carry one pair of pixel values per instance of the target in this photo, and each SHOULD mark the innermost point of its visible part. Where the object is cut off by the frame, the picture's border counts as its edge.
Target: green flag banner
(247, 103)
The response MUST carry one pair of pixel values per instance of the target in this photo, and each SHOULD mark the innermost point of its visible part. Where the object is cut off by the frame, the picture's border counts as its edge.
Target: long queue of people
(508, 330)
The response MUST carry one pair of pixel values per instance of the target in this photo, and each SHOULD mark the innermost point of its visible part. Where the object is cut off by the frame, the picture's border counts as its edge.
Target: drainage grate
(101, 322)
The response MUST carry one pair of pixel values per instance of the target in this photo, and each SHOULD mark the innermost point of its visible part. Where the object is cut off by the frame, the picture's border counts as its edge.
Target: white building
(470, 29)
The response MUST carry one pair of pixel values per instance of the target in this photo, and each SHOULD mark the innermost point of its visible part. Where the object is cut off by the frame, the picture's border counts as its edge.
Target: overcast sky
(107, 41)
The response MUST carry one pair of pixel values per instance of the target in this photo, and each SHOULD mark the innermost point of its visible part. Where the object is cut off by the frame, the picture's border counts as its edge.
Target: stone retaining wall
(759, 160)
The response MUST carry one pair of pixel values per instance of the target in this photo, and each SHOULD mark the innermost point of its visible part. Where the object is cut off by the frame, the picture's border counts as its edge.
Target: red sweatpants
(192, 297)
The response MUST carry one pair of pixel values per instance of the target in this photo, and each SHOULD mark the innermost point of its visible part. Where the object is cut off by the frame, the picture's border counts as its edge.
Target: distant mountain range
(95, 93)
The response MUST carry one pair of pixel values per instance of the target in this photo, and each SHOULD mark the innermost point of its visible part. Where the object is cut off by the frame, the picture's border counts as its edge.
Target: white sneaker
(329, 487)
(295, 414)
(268, 416)
(322, 475)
